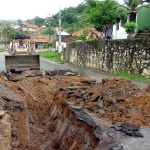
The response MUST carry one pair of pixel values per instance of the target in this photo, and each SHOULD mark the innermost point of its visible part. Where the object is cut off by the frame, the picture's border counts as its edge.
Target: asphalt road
(50, 65)
(128, 143)
(2, 61)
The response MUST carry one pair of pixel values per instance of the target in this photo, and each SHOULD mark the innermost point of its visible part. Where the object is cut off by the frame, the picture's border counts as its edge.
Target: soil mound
(118, 100)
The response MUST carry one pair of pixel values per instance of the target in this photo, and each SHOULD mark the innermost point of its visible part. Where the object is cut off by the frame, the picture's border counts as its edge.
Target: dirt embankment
(61, 110)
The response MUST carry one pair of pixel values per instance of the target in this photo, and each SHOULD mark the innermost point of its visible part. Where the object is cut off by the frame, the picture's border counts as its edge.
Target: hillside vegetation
(74, 18)
(90, 13)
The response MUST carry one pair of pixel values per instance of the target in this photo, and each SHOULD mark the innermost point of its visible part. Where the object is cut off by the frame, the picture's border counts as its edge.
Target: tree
(69, 16)
(7, 32)
(37, 20)
(102, 13)
(131, 6)
(73, 18)
(46, 31)
(21, 32)
(20, 22)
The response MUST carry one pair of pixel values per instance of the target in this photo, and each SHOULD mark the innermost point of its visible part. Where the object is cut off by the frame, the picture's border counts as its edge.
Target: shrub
(47, 45)
(130, 27)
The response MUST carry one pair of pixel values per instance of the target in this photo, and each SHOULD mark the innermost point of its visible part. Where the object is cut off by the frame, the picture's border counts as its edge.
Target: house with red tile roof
(33, 31)
(65, 37)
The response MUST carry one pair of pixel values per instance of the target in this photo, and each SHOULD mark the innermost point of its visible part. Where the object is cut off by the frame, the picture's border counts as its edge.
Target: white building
(63, 44)
(119, 31)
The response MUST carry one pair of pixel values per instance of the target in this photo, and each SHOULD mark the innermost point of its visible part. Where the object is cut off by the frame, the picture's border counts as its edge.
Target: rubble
(118, 100)
(46, 110)
(130, 130)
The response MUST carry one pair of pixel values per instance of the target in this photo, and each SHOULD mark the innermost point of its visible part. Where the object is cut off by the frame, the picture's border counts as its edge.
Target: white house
(142, 12)
(63, 44)
(119, 31)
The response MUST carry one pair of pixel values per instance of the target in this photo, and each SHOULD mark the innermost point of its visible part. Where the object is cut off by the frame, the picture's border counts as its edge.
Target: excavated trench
(60, 110)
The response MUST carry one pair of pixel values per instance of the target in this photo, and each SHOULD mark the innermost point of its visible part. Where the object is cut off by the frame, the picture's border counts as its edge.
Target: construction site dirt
(62, 110)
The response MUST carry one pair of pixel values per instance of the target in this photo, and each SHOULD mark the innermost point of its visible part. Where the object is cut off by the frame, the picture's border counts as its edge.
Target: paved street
(2, 61)
(50, 65)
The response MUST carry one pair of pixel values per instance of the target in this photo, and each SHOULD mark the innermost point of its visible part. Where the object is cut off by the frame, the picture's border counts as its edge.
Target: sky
(28, 9)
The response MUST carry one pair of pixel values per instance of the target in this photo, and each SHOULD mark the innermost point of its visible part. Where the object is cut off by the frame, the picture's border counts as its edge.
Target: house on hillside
(142, 19)
(15, 25)
(65, 37)
(38, 40)
(89, 30)
(33, 31)
(31, 27)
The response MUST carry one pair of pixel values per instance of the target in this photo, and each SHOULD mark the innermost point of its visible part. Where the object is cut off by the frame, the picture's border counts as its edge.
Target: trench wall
(111, 55)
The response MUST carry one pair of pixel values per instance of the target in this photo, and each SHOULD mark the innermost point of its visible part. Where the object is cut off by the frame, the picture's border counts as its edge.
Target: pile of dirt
(62, 110)
(134, 111)
(118, 100)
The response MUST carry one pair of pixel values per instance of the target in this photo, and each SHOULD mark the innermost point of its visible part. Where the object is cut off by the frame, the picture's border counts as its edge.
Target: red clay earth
(61, 110)
(118, 100)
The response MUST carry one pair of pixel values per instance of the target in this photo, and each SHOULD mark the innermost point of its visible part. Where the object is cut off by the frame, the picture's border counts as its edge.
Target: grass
(1, 50)
(133, 77)
(54, 56)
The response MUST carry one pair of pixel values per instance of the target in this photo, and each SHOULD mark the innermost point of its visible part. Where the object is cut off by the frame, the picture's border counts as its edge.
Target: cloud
(18, 9)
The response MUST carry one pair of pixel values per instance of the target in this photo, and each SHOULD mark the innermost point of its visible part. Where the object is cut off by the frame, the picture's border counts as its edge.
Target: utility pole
(59, 43)
(49, 26)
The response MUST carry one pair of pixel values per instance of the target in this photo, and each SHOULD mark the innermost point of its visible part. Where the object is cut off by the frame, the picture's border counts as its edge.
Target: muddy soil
(55, 110)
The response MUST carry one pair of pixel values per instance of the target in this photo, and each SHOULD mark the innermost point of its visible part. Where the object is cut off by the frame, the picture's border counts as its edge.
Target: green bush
(47, 45)
(1, 50)
(130, 27)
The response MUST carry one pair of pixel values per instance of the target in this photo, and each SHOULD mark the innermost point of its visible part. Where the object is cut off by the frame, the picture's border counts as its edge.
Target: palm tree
(7, 32)
(131, 6)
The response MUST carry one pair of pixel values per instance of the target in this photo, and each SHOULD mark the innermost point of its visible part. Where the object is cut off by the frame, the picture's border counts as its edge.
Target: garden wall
(111, 55)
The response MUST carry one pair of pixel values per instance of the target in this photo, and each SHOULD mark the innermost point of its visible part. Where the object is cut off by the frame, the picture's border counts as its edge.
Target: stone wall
(111, 55)
(2, 46)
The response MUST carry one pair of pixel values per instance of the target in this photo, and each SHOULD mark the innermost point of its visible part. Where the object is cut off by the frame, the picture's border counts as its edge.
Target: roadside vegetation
(1, 50)
(133, 77)
(54, 56)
